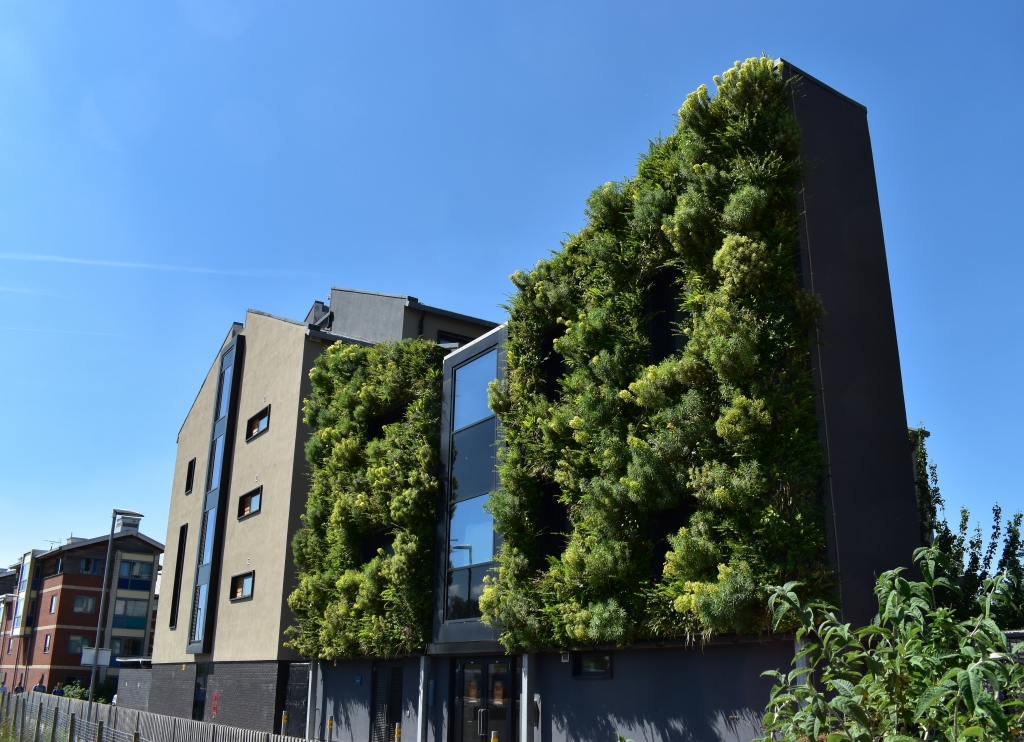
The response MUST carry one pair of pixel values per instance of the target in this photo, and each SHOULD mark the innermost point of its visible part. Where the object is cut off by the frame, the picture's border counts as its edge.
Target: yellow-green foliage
(724, 429)
(365, 552)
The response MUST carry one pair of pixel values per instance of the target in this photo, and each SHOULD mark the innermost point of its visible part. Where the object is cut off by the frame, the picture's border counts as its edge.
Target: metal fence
(37, 717)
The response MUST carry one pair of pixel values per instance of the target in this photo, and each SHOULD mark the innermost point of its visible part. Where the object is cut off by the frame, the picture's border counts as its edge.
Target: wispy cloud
(48, 330)
(33, 292)
(144, 266)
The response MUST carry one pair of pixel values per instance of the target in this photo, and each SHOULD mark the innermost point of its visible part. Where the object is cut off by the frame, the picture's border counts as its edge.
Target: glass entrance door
(485, 700)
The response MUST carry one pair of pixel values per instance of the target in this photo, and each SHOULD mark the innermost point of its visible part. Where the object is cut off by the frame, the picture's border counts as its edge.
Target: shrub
(917, 672)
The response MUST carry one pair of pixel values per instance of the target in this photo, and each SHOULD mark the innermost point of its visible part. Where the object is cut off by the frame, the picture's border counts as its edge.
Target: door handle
(481, 724)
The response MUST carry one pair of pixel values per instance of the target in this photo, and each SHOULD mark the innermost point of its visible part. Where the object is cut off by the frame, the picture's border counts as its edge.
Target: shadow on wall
(663, 695)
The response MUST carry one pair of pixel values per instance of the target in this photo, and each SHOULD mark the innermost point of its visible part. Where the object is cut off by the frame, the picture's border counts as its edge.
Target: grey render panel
(715, 693)
(337, 695)
(869, 489)
(366, 315)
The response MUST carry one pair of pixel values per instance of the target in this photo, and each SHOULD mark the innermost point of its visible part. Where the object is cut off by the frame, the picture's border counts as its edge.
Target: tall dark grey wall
(872, 506)
(246, 693)
(336, 694)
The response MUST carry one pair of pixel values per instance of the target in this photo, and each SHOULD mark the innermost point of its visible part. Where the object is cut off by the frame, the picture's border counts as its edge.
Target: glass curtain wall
(471, 538)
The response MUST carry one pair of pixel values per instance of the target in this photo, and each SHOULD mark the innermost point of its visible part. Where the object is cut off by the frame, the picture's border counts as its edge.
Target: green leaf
(928, 698)
(973, 732)
(963, 681)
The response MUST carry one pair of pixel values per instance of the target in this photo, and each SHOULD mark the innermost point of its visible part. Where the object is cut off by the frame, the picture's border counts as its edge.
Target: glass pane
(119, 607)
(476, 589)
(216, 457)
(474, 690)
(254, 503)
(209, 524)
(125, 570)
(471, 539)
(473, 460)
(499, 699)
(471, 383)
(200, 612)
(458, 594)
(224, 387)
(247, 586)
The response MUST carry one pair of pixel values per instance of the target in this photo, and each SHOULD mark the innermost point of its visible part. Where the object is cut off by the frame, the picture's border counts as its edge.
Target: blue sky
(164, 166)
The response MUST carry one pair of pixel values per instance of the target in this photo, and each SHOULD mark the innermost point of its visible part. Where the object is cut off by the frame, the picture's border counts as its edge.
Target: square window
(85, 604)
(592, 665)
(90, 566)
(241, 586)
(46, 644)
(53, 604)
(249, 503)
(258, 423)
(190, 475)
(75, 643)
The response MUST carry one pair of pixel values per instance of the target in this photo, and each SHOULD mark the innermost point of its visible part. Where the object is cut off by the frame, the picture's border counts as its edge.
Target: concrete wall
(366, 315)
(872, 518)
(273, 374)
(193, 441)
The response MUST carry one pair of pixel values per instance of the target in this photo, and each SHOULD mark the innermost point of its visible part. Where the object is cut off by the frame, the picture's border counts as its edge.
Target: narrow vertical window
(224, 385)
(190, 475)
(53, 604)
(206, 536)
(179, 564)
(214, 468)
(46, 644)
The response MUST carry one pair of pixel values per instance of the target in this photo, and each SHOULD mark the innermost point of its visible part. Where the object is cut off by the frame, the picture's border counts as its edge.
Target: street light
(103, 594)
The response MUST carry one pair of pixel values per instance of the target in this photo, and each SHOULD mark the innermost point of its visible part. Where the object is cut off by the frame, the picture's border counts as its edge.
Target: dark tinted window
(471, 539)
(471, 383)
(473, 460)
(190, 476)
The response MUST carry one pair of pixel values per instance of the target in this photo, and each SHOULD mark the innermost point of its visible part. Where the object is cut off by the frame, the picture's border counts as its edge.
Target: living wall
(365, 551)
(647, 496)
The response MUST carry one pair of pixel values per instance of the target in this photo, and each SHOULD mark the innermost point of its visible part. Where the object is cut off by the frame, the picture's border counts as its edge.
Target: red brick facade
(62, 604)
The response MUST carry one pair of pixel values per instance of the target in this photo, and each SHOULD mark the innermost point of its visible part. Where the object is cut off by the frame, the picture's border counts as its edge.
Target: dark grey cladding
(869, 487)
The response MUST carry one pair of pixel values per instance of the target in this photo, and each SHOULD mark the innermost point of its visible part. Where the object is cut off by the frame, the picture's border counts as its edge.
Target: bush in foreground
(916, 673)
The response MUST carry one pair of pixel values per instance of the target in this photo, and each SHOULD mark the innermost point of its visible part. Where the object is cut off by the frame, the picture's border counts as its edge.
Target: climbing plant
(651, 485)
(365, 550)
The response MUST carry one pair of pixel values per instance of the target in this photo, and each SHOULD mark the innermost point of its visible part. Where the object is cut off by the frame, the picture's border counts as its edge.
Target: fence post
(71, 727)
(99, 731)
(19, 717)
(39, 720)
(53, 727)
(135, 737)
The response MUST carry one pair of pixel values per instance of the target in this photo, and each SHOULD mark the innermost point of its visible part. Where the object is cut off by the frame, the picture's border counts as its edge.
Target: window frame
(577, 666)
(251, 574)
(262, 414)
(258, 491)
(91, 601)
(46, 643)
(53, 604)
(190, 476)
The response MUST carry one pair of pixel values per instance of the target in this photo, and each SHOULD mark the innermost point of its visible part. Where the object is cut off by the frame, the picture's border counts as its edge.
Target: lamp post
(103, 594)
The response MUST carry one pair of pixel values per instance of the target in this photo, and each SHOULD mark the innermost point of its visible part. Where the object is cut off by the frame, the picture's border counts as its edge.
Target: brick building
(50, 607)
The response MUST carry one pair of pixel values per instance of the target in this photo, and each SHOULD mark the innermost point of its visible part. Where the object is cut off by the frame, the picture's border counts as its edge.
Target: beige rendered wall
(274, 373)
(193, 441)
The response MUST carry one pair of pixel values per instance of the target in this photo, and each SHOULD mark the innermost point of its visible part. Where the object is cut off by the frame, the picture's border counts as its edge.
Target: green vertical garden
(606, 443)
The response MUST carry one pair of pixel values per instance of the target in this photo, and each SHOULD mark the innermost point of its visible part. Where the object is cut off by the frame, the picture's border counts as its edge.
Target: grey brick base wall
(246, 694)
(133, 686)
(172, 689)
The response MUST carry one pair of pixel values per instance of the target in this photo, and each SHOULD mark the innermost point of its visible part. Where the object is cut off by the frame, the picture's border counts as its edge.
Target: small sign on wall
(213, 705)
